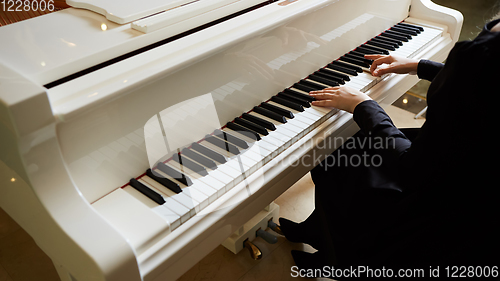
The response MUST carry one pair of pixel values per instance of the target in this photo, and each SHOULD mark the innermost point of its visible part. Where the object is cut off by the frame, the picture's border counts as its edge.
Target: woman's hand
(342, 97)
(383, 64)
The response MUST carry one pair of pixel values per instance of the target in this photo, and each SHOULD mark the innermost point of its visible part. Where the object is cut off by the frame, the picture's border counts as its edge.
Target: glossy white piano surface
(72, 147)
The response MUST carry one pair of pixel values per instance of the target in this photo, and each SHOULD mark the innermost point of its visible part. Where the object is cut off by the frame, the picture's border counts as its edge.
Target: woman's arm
(425, 69)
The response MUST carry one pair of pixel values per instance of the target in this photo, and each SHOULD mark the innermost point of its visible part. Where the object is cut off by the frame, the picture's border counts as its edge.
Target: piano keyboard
(181, 187)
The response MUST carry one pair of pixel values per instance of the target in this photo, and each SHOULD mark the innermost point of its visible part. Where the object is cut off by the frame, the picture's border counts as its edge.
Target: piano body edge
(30, 167)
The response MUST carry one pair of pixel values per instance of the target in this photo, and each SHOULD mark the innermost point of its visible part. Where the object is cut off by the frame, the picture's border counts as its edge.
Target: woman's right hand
(383, 64)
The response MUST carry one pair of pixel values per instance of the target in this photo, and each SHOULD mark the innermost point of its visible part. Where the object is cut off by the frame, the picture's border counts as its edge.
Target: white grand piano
(92, 98)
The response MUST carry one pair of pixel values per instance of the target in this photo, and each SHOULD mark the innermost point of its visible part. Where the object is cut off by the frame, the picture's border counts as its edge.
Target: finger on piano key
(164, 181)
(136, 220)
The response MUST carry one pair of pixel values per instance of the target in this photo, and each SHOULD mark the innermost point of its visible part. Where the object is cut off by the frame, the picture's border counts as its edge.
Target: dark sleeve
(373, 121)
(428, 69)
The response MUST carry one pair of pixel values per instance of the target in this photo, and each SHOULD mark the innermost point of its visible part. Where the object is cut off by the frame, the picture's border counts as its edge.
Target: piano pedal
(255, 252)
(276, 228)
(250, 230)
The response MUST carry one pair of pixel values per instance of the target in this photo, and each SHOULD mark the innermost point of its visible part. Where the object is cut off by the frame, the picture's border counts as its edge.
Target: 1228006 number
(26, 6)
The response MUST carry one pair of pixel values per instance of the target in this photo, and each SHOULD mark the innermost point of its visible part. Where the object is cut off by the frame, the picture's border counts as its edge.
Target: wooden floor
(22, 260)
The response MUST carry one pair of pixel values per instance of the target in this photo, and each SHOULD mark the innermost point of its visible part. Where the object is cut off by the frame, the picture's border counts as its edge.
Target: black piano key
(164, 181)
(360, 58)
(222, 144)
(349, 66)
(184, 161)
(288, 103)
(408, 36)
(376, 49)
(270, 114)
(342, 69)
(252, 126)
(323, 80)
(394, 36)
(151, 194)
(380, 41)
(174, 174)
(391, 40)
(299, 95)
(313, 85)
(368, 51)
(294, 99)
(243, 130)
(418, 31)
(335, 73)
(303, 88)
(380, 45)
(259, 121)
(278, 110)
(207, 162)
(411, 26)
(404, 30)
(354, 61)
(330, 77)
(208, 153)
(231, 139)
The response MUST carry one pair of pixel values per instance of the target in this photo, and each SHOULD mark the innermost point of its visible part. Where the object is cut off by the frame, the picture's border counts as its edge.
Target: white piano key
(184, 212)
(183, 198)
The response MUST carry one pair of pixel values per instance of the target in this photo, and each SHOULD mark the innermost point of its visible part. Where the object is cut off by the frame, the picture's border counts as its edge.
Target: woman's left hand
(342, 97)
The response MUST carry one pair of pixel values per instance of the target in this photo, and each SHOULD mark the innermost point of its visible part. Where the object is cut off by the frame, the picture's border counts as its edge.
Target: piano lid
(63, 44)
(126, 11)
